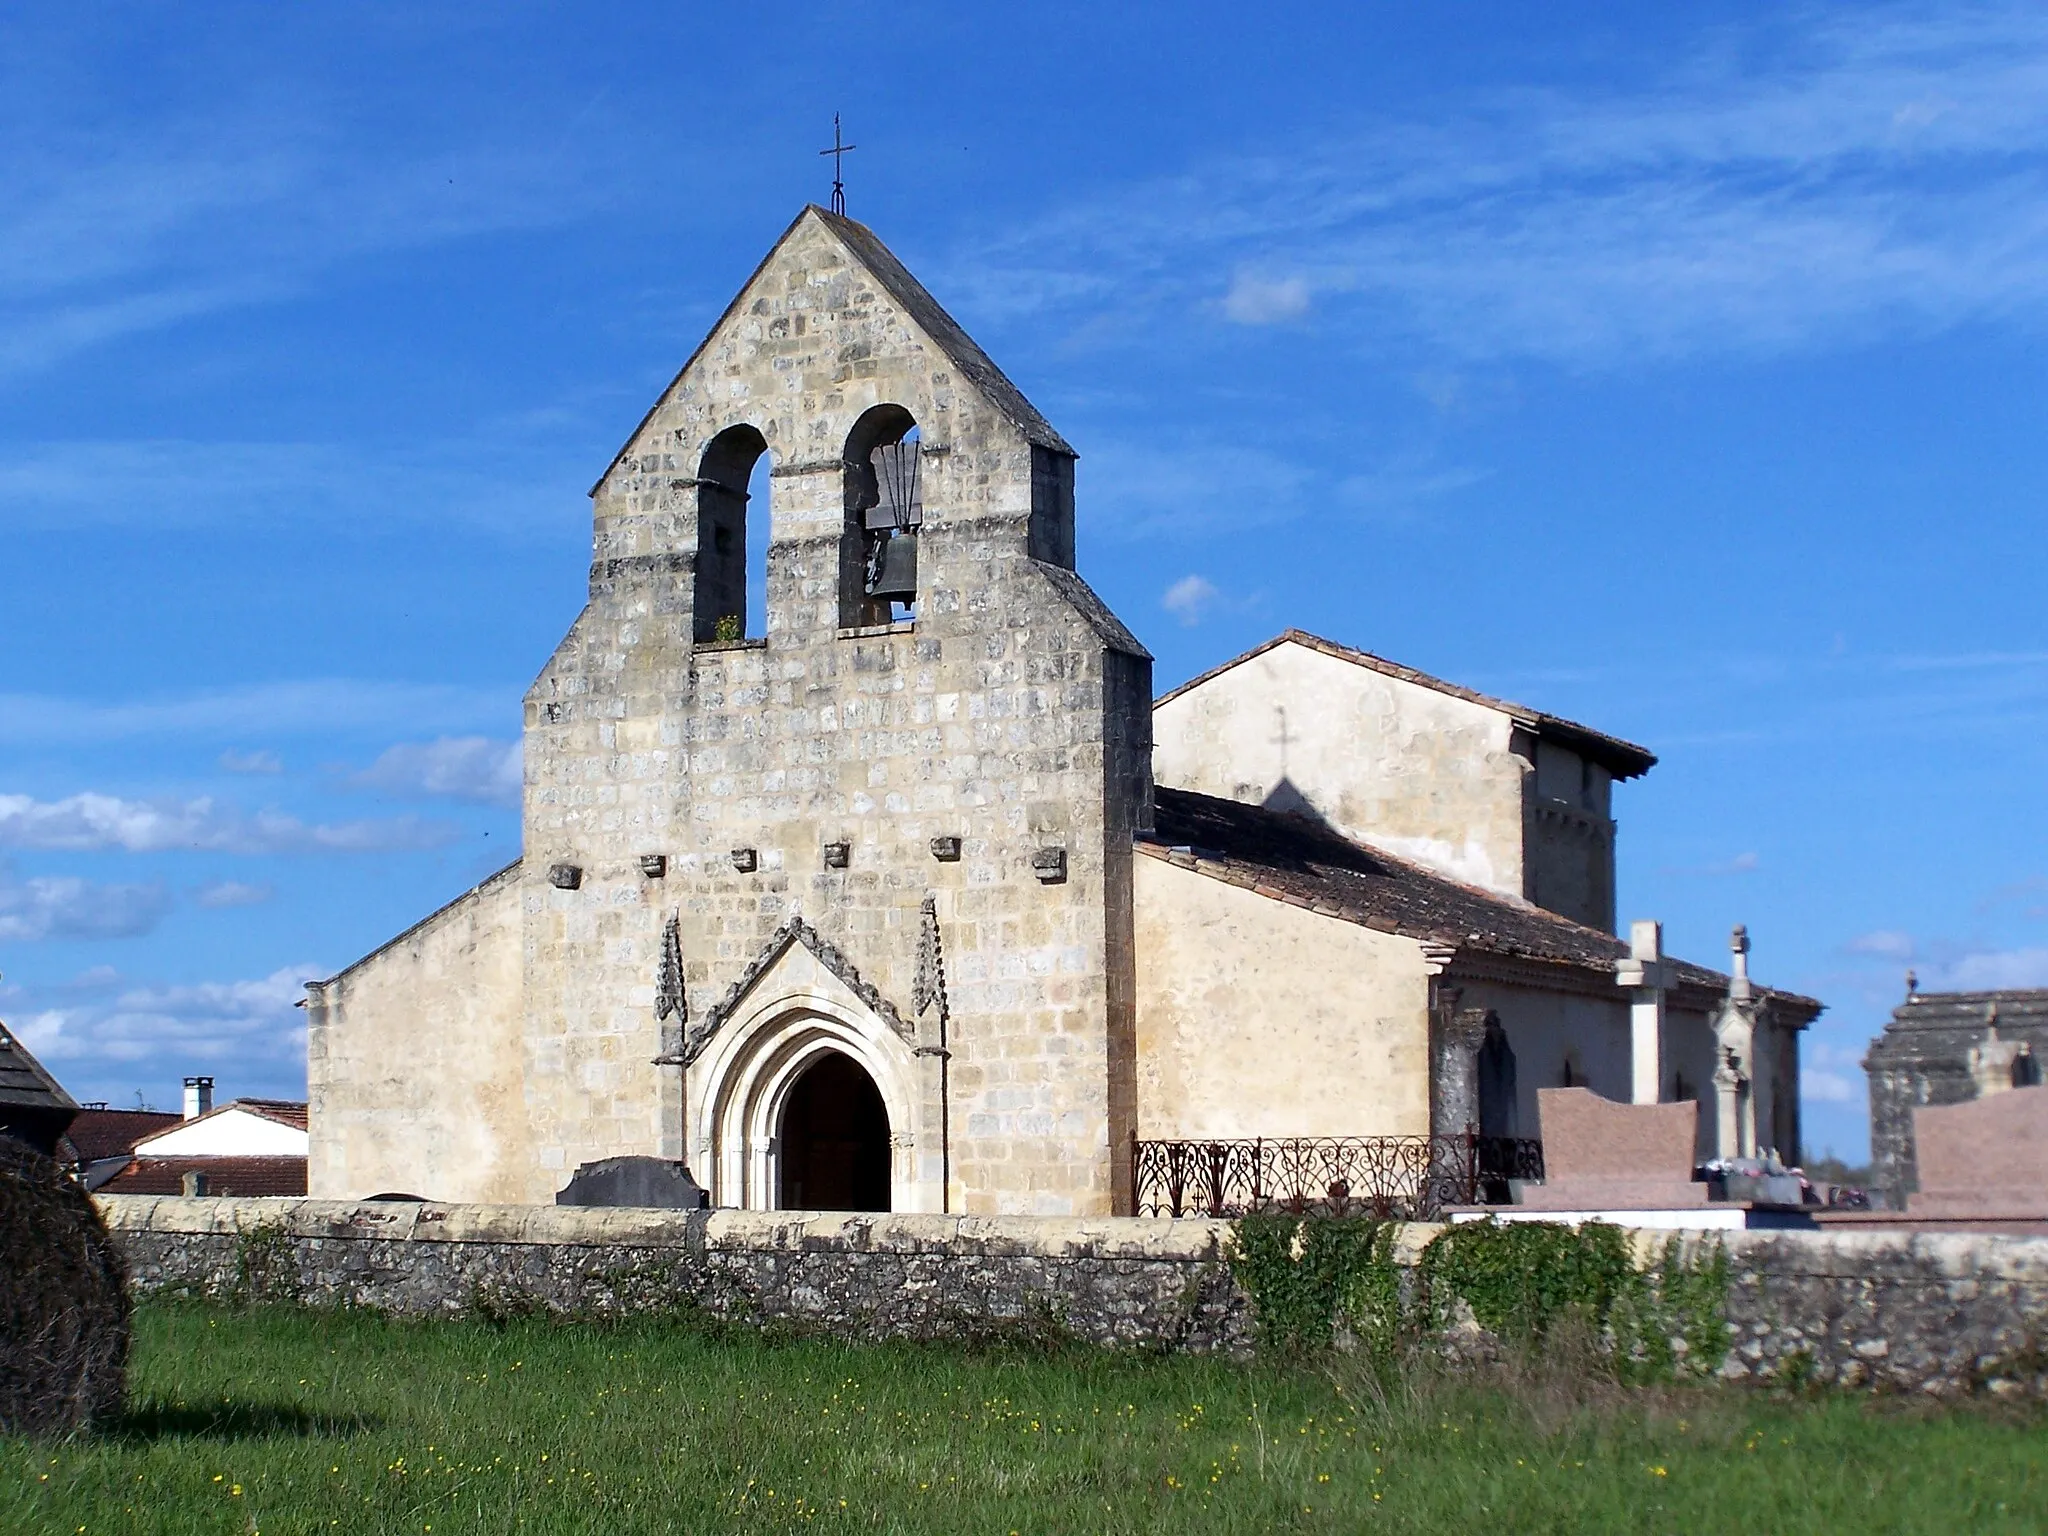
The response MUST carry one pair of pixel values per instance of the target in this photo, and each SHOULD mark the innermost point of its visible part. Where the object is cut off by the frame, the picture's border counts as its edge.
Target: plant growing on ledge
(727, 629)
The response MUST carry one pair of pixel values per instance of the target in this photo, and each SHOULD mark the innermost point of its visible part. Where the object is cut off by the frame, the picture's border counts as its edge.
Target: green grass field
(285, 1421)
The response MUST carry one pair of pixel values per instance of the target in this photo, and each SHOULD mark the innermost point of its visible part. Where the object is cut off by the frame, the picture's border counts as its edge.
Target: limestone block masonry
(1938, 1313)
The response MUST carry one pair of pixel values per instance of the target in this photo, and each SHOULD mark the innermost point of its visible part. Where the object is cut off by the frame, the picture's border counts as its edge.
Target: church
(906, 894)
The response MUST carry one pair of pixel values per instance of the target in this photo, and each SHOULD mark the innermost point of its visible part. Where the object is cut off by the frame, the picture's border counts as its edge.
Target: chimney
(198, 1097)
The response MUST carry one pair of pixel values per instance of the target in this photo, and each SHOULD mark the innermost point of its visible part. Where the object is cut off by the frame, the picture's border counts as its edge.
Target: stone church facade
(870, 900)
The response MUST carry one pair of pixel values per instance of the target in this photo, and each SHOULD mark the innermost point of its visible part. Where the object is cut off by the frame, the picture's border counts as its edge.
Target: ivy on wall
(1317, 1282)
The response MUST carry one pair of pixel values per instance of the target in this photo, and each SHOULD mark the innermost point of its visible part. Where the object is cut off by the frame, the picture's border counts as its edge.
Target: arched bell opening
(884, 515)
(732, 524)
(833, 1140)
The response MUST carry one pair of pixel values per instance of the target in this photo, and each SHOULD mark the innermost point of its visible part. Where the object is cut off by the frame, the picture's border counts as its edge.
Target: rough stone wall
(1256, 1018)
(1160, 1284)
(995, 718)
(1917, 1312)
(1908, 1312)
(420, 1090)
(1414, 771)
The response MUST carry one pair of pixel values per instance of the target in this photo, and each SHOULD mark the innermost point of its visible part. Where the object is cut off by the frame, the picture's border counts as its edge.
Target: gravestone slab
(1600, 1155)
(1988, 1157)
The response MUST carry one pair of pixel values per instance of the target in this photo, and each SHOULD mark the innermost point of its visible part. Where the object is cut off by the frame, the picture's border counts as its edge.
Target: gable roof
(915, 300)
(24, 1082)
(1623, 759)
(289, 1113)
(794, 930)
(1289, 858)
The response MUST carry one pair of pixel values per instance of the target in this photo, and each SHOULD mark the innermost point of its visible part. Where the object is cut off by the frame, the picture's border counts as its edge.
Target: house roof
(98, 1133)
(1623, 759)
(947, 334)
(24, 1082)
(224, 1176)
(285, 1112)
(1289, 858)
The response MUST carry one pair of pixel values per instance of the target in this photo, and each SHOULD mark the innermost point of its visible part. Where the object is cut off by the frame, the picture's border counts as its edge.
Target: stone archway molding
(795, 1004)
(794, 930)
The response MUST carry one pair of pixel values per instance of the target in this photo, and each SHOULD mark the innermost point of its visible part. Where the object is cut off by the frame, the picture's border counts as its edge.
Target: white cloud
(1874, 171)
(186, 1026)
(231, 893)
(1255, 300)
(251, 762)
(1829, 1088)
(1989, 971)
(90, 821)
(472, 768)
(1190, 599)
(66, 907)
(1883, 943)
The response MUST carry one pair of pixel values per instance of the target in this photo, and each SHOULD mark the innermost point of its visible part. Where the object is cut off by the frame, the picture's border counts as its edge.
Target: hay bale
(63, 1301)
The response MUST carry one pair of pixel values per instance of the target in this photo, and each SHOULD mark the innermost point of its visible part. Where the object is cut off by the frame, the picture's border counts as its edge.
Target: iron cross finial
(836, 152)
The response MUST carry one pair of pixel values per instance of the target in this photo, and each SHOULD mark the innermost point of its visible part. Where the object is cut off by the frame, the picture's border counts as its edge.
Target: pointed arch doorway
(833, 1139)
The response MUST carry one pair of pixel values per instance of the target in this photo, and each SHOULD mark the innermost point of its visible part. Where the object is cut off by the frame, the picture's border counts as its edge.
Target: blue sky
(1679, 372)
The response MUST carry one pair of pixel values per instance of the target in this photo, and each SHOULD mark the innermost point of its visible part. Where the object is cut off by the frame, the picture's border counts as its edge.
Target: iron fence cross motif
(838, 151)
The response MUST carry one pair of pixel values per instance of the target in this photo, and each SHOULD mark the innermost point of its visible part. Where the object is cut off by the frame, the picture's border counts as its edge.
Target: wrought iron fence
(1411, 1177)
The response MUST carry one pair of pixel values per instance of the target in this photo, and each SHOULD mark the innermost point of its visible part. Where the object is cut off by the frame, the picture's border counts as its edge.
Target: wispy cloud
(1882, 944)
(471, 768)
(251, 762)
(1256, 300)
(1190, 599)
(530, 484)
(1197, 489)
(222, 894)
(66, 907)
(107, 232)
(1744, 863)
(1793, 186)
(1988, 970)
(88, 822)
(316, 707)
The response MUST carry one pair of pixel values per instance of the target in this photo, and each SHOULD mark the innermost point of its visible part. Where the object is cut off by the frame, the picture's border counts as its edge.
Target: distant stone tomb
(63, 1301)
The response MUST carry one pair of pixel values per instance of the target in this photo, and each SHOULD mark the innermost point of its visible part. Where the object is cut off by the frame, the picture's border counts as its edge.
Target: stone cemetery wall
(1905, 1311)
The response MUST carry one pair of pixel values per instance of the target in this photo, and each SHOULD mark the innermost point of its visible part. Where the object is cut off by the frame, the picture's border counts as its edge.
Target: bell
(896, 575)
